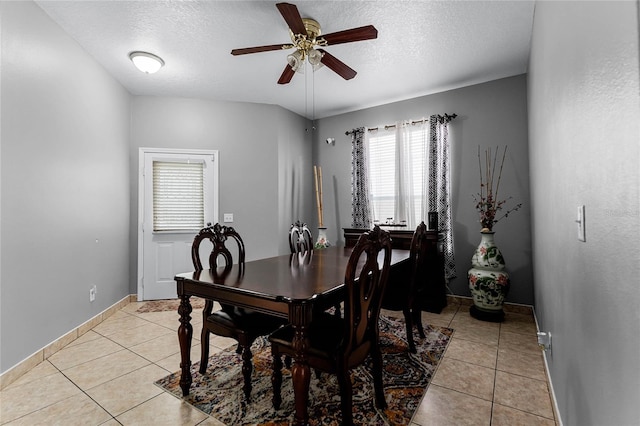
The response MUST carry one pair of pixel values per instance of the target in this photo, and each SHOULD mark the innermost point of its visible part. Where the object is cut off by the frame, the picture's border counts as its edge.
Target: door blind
(178, 196)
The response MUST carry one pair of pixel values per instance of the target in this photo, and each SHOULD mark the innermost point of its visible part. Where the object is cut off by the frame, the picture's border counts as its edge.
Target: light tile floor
(491, 374)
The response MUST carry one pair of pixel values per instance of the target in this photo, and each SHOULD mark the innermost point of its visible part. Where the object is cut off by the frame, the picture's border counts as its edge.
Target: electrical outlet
(544, 340)
(228, 217)
(92, 293)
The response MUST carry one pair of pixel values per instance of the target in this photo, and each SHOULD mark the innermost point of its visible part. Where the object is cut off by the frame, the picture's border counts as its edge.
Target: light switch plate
(228, 217)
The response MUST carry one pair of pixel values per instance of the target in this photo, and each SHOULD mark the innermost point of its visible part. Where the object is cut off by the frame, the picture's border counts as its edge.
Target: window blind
(382, 176)
(178, 195)
(418, 148)
(384, 171)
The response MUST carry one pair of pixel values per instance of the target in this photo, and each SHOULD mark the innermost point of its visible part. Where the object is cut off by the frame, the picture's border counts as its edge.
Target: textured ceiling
(422, 47)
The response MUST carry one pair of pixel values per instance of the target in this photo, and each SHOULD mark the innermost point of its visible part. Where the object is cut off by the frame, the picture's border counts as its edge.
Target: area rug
(406, 376)
(168, 305)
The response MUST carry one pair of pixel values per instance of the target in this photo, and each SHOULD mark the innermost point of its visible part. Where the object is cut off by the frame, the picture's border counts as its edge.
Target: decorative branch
(487, 202)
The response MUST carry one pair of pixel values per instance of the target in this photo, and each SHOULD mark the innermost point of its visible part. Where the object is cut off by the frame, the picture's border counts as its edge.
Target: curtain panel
(360, 204)
(438, 176)
(405, 204)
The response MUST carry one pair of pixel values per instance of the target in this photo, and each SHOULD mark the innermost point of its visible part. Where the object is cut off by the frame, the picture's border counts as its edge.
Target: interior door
(165, 250)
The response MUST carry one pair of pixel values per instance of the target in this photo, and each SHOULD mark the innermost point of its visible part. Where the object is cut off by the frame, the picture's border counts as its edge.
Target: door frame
(142, 152)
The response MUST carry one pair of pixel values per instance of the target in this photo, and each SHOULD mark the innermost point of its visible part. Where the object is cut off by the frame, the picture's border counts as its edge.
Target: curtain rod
(441, 119)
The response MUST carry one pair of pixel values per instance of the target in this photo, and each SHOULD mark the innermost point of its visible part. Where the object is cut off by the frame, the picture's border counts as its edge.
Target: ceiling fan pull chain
(313, 99)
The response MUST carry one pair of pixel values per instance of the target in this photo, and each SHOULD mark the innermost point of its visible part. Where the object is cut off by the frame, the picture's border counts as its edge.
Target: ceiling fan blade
(257, 49)
(292, 17)
(367, 32)
(337, 66)
(287, 75)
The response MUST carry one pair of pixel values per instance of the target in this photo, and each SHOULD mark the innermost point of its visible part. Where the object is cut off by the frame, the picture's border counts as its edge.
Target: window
(404, 174)
(397, 175)
(178, 195)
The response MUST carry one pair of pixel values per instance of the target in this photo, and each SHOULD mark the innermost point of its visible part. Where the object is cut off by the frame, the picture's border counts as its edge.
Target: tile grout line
(495, 374)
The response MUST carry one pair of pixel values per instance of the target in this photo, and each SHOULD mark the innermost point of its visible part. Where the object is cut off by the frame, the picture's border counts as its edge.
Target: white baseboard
(552, 393)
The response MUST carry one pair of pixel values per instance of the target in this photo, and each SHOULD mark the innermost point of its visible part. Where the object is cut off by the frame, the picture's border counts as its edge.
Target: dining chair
(243, 325)
(404, 289)
(300, 238)
(336, 344)
(301, 243)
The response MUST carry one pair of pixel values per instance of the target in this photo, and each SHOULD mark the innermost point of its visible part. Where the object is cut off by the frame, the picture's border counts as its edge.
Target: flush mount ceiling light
(146, 62)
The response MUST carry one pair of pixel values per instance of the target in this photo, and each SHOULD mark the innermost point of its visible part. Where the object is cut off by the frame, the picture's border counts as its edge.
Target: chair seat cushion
(250, 322)
(326, 332)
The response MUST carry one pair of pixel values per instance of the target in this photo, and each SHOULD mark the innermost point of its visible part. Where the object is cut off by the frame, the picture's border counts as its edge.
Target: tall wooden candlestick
(317, 172)
(322, 241)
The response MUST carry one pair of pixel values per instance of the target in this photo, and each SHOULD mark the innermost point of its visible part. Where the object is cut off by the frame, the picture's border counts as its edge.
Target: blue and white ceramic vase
(488, 281)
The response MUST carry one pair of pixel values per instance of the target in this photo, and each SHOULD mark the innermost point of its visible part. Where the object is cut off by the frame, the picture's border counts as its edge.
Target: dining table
(290, 286)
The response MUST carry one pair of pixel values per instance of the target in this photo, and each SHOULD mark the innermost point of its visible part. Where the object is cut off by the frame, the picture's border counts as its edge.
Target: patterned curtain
(360, 205)
(438, 174)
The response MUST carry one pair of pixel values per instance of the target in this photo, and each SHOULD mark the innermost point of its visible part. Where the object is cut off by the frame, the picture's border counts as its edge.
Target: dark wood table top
(289, 279)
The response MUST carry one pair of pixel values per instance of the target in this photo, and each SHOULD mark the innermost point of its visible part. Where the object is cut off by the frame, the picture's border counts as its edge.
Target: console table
(434, 298)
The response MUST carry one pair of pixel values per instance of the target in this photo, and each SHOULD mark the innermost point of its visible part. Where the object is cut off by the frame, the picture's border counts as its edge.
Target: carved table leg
(300, 371)
(185, 332)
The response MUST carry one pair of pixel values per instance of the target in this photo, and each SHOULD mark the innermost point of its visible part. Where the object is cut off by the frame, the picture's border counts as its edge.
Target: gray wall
(295, 175)
(65, 184)
(69, 154)
(489, 114)
(265, 162)
(585, 150)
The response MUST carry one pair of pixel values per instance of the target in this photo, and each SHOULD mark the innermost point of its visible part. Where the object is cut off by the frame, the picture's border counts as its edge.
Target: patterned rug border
(406, 378)
(168, 305)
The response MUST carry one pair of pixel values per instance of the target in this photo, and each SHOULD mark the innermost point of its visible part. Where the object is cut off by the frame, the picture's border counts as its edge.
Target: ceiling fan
(305, 38)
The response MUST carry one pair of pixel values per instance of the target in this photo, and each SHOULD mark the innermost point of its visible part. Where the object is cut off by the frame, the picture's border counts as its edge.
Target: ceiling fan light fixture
(296, 61)
(146, 62)
(315, 58)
